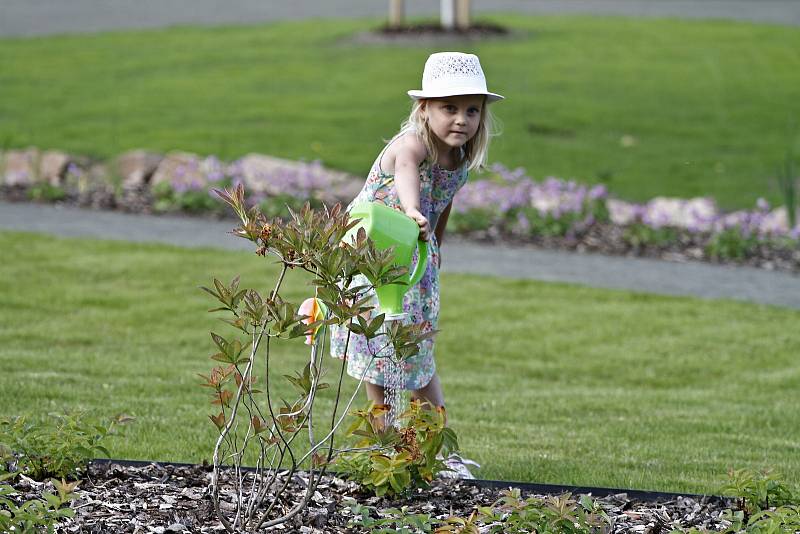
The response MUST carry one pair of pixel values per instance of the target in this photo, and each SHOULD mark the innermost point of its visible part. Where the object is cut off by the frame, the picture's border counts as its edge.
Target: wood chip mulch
(163, 498)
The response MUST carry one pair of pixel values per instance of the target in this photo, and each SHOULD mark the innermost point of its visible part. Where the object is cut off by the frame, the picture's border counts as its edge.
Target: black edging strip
(545, 489)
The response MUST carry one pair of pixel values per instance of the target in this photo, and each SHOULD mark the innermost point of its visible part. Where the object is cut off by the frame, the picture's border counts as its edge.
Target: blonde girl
(418, 172)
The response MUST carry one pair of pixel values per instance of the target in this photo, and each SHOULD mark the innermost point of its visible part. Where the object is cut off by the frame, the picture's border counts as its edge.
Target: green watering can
(390, 228)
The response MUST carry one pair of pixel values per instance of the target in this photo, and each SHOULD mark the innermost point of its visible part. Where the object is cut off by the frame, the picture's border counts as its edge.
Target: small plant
(36, 514)
(758, 491)
(189, 199)
(551, 225)
(394, 460)
(459, 525)
(732, 244)
(778, 521)
(473, 220)
(640, 235)
(388, 521)
(46, 192)
(558, 514)
(57, 447)
(781, 520)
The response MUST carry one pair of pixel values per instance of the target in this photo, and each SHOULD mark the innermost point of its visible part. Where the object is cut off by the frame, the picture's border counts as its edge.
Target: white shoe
(456, 467)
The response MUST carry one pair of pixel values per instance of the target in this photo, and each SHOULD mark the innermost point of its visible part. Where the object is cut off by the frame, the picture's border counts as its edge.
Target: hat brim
(490, 97)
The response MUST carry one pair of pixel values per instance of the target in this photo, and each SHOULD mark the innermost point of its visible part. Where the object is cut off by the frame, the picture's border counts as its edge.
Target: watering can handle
(422, 262)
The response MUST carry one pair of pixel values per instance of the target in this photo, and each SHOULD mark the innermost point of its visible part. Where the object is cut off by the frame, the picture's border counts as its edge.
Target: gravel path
(40, 17)
(459, 256)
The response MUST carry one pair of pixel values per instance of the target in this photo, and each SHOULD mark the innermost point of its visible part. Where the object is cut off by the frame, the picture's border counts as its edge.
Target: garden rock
(776, 221)
(53, 166)
(266, 175)
(342, 192)
(180, 169)
(621, 212)
(20, 167)
(695, 213)
(136, 167)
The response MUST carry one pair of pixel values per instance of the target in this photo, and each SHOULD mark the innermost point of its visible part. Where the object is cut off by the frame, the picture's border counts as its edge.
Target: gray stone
(268, 175)
(179, 168)
(20, 167)
(53, 166)
(136, 167)
(343, 191)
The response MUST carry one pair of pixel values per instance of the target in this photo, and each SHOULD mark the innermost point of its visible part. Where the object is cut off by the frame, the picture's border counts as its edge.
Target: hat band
(478, 86)
(433, 92)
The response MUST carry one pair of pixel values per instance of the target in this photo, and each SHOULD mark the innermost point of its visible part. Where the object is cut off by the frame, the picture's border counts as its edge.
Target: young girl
(418, 172)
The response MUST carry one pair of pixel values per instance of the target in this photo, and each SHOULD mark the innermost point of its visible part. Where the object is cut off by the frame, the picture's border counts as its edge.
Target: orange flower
(315, 310)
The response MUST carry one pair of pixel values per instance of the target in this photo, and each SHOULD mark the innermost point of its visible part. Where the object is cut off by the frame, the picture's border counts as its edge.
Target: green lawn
(545, 382)
(708, 103)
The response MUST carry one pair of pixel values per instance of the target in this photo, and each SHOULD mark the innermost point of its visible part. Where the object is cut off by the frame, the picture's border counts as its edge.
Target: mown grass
(707, 103)
(545, 382)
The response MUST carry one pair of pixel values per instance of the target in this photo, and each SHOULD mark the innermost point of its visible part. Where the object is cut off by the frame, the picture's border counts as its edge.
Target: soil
(433, 33)
(161, 498)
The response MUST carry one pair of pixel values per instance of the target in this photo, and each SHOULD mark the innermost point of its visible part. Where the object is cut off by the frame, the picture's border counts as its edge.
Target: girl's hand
(424, 225)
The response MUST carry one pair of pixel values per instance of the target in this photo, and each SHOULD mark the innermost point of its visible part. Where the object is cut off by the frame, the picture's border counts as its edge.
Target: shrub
(46, 192)
(35, 514)
(58, 447)
(641, 235)
(391, 460)
(732, 244)
(254, 424)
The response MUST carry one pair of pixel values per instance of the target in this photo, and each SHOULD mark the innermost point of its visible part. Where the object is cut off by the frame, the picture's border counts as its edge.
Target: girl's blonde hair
(475, 152)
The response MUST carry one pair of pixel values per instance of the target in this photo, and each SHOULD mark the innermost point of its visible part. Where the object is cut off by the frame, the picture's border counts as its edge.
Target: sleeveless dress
(438, 186)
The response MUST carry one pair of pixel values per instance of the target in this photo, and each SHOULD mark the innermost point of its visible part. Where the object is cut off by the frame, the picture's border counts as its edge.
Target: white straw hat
(452, 74)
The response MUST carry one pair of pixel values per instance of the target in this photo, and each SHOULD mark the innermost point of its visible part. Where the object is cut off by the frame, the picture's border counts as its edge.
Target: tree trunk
(396, 13)
(448, 14)
(463, 14)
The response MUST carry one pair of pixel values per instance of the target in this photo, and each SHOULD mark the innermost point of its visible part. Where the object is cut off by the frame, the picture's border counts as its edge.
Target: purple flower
(598, 192)
(74, 170)
(522, 225)
(195, 184)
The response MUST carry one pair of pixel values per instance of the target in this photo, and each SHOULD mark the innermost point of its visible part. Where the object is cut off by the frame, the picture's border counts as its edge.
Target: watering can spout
(390, 228)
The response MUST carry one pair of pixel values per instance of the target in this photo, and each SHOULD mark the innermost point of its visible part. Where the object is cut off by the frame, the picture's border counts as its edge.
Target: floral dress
(438, 186)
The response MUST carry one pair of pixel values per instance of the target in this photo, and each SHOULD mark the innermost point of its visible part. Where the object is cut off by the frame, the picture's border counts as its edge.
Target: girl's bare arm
(410, 153)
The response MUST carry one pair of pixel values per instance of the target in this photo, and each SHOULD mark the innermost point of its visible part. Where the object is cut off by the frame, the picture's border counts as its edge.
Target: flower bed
(565, 214)
(166, 498)
(507, 205)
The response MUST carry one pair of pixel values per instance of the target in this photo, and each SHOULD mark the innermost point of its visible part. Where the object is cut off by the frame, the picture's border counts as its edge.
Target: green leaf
(220, 342)
(210, 292)
(396, 485)
(52, 500)
(356, 329)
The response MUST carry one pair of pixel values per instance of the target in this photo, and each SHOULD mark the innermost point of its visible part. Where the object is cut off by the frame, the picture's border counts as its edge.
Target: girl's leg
(431, 393)
(374, 392)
